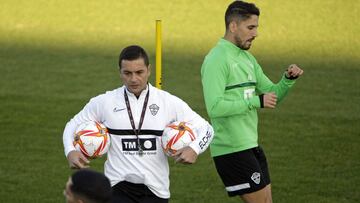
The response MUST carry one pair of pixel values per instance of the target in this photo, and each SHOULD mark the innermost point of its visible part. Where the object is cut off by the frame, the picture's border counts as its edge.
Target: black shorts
(126, 192)
(243, 172)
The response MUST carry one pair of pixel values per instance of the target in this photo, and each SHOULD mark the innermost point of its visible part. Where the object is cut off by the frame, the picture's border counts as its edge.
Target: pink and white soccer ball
(92, 139)
(176, 136)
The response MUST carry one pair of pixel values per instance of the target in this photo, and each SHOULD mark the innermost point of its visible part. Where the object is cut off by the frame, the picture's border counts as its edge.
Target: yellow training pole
(158, 54)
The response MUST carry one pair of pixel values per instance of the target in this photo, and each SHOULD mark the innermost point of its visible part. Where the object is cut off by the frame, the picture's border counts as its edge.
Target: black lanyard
(137, 131)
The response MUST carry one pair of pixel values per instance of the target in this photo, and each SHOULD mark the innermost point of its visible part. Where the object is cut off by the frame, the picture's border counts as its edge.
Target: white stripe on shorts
(237, 187)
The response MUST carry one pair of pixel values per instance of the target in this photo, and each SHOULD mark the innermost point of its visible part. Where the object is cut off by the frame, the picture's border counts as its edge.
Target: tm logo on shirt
(147, 144)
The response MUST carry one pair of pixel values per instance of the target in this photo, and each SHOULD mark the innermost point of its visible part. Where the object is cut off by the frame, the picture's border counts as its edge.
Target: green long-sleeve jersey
(232, 82)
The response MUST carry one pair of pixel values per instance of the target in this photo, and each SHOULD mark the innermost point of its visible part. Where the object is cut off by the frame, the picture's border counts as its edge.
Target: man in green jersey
(234, 88)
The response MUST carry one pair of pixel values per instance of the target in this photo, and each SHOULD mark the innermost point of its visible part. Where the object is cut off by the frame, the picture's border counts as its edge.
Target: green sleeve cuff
(288, 81)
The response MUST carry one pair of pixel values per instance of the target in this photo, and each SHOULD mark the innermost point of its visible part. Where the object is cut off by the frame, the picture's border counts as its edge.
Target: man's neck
(229, 38)
(138, 94)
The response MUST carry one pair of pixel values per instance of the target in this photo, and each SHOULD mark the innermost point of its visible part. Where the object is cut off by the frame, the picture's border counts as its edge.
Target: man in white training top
(136, 115)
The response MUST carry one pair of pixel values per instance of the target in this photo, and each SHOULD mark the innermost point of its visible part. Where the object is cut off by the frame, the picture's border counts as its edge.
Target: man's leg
(260, 196)
(245, 173)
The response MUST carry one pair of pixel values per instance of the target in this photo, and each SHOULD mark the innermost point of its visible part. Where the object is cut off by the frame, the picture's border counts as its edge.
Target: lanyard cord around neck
(137, 131)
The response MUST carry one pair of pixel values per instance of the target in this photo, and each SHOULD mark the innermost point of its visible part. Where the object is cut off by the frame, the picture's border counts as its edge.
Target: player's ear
(232, 26)
(149, 68)
(119, 69)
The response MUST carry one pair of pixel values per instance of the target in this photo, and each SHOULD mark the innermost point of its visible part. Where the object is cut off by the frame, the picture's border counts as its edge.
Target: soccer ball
(176, 136)
(92, 139)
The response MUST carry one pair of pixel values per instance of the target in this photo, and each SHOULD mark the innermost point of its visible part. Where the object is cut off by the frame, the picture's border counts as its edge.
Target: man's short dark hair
(92, 185)
(239, 10)
(133, 52)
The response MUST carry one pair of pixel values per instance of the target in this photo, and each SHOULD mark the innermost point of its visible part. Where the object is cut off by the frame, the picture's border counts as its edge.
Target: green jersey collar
(230, 46)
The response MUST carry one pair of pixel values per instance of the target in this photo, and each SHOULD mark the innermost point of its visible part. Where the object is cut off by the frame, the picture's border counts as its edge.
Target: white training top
(123, 160)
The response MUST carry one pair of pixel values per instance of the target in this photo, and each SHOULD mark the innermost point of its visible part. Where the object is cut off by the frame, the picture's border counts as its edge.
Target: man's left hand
(185, 155)
(293, 71)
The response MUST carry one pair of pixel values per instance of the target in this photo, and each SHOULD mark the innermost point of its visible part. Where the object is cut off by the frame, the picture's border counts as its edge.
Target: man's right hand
(270, 100)
(77, 160)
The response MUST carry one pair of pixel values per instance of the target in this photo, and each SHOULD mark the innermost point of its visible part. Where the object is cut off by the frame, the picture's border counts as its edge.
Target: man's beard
(242, 45)
(244, 48)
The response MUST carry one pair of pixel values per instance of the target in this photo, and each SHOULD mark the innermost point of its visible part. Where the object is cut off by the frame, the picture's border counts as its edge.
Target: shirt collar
(230, 46)
(142, 94)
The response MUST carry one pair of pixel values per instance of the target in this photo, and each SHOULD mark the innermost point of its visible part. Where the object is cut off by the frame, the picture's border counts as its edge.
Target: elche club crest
(256, 177)
(154, 109)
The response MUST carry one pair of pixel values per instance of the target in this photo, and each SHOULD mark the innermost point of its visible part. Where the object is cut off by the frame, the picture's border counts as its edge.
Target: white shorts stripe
(237, 187)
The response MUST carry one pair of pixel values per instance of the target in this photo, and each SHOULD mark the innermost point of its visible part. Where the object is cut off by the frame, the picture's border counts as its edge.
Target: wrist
(289, 77)
(195, 147)
(261, 98)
